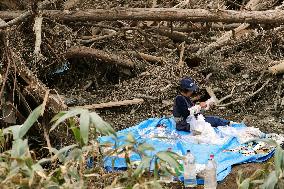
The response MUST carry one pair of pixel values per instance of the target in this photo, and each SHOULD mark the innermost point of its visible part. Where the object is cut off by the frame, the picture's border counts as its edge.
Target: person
(184, 101)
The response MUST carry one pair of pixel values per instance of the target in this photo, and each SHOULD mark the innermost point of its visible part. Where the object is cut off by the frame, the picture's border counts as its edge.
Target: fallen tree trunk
(160, 14)
(253, 5)
(76, 52)
(113, 104)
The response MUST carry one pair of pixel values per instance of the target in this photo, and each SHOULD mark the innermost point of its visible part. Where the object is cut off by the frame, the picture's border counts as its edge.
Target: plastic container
(210, 180)
(189, 170)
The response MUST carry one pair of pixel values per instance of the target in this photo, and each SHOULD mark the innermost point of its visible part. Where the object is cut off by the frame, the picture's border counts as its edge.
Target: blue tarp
(147, 131)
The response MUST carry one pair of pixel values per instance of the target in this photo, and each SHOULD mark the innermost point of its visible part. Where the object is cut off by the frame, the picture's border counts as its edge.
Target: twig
(248, 97)
(37, 30)
(99, 38)
(278, 97)
(228, 96)
(181, 62)
(16, 20)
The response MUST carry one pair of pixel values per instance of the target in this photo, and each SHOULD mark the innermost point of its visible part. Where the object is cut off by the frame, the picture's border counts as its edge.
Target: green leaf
(33, 117)
(39, 170)
(100, 125)
(130, 138)
(84, 125)
(244, 184)
(57, 116)
(144, 164)
(279, 155)
(61, 153)
(270, 181)
(77, 135)
(19, 148)
(67, 115)
(145, 147)
(167, 157)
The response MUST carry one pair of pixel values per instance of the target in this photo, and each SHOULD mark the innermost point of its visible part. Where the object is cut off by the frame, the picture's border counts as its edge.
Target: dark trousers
(216, 121)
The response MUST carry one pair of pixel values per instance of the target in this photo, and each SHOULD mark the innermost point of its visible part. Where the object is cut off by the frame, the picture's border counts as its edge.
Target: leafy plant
(138, 174)
(71, 166)
(270, 177)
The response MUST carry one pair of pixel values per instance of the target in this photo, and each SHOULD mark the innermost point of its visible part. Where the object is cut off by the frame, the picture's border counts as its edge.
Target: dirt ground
(240, 65)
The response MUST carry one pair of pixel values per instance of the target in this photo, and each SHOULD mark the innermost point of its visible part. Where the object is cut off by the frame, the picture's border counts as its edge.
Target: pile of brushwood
(124, 59)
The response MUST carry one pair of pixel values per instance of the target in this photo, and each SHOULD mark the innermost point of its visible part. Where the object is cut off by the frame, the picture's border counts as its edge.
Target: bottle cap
(169, 149)
(187, 151)
(211, 156)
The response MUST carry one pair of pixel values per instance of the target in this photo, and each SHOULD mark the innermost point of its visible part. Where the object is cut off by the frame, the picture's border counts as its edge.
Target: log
(278, 68)
(76, 52)
(160, 14)
(113, 104)
(223, 40)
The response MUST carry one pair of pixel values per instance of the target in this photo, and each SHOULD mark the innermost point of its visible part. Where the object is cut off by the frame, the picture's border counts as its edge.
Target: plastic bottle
(167, 177)
(210, 180)
(189, 170)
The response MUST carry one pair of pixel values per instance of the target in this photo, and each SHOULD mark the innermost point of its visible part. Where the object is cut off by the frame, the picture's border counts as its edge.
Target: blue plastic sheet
(178, 141)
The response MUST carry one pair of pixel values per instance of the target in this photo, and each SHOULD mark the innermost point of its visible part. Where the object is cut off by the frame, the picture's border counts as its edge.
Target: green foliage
(270, 177)
(66, 167)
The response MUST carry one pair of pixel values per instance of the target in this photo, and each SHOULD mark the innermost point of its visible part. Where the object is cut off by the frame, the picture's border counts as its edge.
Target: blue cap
(188, 83)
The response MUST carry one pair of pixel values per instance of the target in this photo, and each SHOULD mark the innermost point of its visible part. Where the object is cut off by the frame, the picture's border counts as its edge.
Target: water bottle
(168, 177)
(189, 170)
(210, 180)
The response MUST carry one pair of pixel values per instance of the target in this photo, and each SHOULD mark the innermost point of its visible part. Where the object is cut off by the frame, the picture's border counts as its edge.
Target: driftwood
(113, 104)
(99, 54)
(278, 68)
(224, 39)
(160, 14)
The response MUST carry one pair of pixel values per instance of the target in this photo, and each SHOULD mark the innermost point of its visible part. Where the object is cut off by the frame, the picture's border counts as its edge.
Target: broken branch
(17, 19)
(113, 104)
(105, 56)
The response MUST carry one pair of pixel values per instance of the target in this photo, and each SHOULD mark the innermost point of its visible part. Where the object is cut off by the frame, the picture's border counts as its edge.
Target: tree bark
(161, 14)
(107, 57)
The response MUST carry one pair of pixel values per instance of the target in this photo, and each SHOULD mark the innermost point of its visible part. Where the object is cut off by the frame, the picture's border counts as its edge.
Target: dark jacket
(181, 112)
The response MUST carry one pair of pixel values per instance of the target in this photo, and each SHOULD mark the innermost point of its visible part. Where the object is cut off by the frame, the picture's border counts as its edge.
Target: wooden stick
(160, 14)
(182, 48)
(147, 57)
(278, 68)
(113, 104)
(37, 30)
(98, 38)
(75, 52)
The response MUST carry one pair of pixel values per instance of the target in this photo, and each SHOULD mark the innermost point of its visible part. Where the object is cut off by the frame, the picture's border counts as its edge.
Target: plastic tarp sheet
(162, 138)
